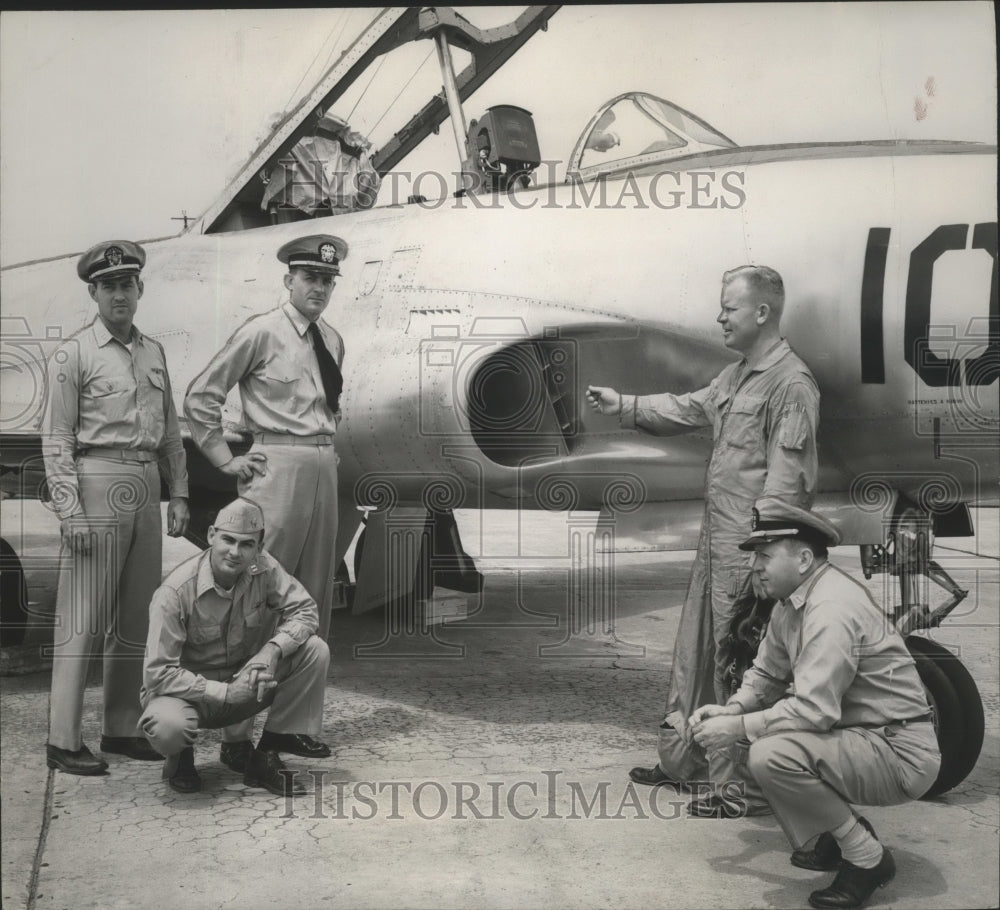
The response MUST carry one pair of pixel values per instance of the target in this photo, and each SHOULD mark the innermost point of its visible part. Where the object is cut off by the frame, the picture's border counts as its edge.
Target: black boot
(236, 755)
(825, 855)
(180, 773)
(854, 885)
(266, 769)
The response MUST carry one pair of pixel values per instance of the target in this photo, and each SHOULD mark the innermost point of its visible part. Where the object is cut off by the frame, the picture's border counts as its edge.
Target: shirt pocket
(157, 378)
(153, 386)
(254, 619)
(106, 387)
(280, 370)
(745, 423)
(281, 380)
(202, 634)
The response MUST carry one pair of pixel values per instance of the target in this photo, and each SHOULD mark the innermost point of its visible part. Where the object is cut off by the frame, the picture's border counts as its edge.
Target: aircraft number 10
(933, 369)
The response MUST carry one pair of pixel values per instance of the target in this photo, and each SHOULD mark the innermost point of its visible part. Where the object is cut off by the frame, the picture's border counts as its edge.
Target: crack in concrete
(43, 835)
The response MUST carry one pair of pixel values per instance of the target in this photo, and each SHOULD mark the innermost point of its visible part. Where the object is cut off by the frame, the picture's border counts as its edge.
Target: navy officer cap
(775, 519)
(317, 251)
(112, 257)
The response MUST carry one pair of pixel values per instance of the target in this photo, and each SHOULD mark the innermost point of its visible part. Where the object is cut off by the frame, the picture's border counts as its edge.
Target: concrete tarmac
(476, 763)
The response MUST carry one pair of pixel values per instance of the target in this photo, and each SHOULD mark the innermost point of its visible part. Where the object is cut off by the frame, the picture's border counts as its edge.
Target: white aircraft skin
(627, 291)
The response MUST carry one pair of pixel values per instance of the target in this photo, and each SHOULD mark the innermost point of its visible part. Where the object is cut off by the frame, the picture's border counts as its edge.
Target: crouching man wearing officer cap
(833, 707)
(212, 659)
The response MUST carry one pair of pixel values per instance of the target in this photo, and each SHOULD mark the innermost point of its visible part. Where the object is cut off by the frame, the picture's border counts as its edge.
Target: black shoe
(179, 771)
(652, 777)
(854, 885)
(717, 807)
(265, 769)
(135, 747)
(79, 761)
(236, 755)
(295, 743)
(825, 855)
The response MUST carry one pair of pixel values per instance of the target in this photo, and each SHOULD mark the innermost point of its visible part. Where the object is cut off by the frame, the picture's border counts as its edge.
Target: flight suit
(109, 430)
(764, 421)
(834, 709)
(201, 636)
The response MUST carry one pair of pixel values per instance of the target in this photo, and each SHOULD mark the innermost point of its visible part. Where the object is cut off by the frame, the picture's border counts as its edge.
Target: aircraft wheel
(957, 707)
(13, 597)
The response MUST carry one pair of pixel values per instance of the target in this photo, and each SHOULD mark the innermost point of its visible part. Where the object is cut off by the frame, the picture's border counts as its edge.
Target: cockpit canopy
(638, 129)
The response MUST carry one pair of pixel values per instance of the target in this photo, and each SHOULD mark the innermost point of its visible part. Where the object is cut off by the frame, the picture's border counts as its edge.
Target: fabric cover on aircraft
(329, 170)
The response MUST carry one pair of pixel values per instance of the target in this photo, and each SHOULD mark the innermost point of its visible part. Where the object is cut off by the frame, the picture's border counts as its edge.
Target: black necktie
(333, 381)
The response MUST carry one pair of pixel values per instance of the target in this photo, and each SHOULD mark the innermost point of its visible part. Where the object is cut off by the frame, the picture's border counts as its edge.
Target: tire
(958, 711)
(13, 597)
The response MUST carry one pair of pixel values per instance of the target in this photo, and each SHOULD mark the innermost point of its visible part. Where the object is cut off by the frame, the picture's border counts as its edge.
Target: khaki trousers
(299, 497)
(171, 724)
(102, 606)
(811, 779)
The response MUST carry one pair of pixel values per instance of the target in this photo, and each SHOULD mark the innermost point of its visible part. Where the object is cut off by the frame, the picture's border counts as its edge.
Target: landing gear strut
(907, 554)
(956, 705)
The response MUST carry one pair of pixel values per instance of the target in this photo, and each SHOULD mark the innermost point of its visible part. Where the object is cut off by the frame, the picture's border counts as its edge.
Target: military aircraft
(474, 322)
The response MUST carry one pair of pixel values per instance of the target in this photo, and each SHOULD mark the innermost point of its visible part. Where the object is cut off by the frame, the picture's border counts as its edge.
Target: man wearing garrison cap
(287, 365)
(230, 634)
(833, 707)
(109, 433)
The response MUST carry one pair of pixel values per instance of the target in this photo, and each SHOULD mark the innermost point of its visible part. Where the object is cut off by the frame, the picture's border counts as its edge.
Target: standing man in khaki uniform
(109, 431)
(833, 707)
(212, 658)
(765, 413)
(287, 365)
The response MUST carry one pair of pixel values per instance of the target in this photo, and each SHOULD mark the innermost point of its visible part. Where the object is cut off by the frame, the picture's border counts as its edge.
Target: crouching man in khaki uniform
(230, 634)
(833, 707)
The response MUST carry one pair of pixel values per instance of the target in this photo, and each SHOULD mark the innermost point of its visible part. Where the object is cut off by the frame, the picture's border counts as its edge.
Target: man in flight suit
(764, 411)
(833, 707)
(287, 365)
(109, 431)
(212, 659)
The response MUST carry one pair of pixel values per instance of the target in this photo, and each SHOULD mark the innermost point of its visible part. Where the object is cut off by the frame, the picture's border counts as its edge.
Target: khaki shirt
(764, 420)
(272, 359)
(99, 394)
(198, 637)
(846, 663)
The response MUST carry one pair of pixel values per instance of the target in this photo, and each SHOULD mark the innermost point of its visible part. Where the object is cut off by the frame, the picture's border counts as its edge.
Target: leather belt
(891, 731)
(128, 456)
(288, 439)
(905, 722)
